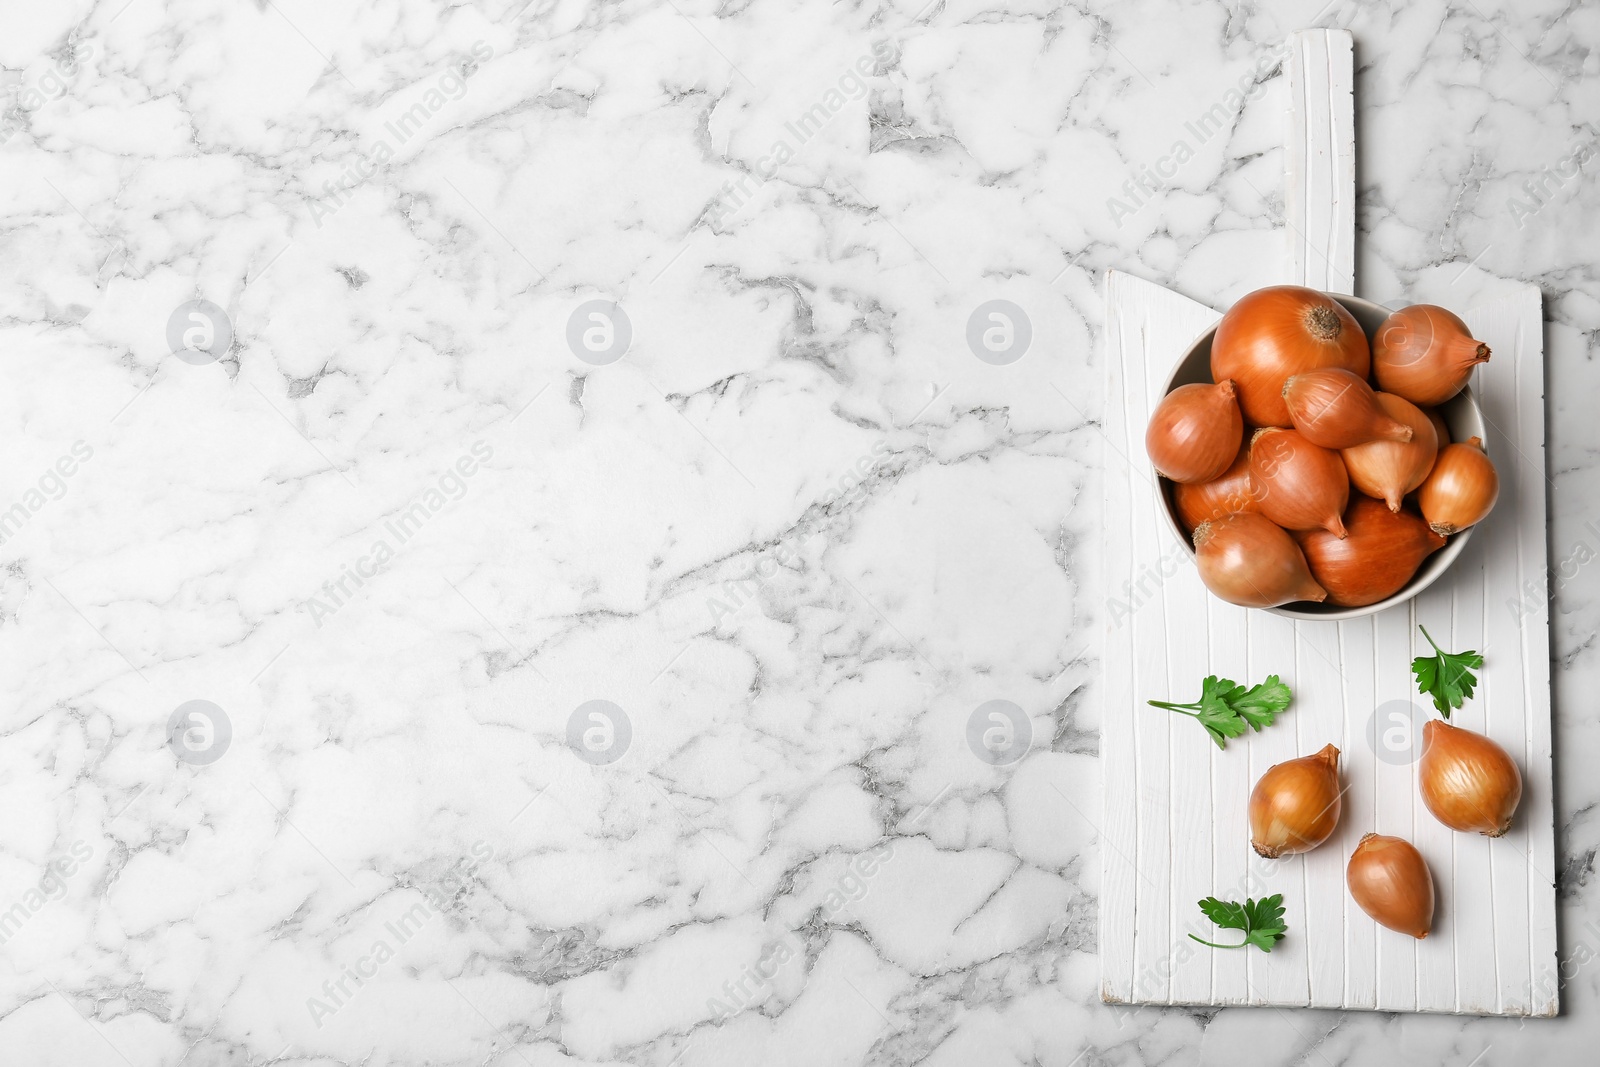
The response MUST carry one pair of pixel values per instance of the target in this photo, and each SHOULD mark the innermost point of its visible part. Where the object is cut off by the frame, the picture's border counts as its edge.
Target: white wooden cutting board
(1175, 828)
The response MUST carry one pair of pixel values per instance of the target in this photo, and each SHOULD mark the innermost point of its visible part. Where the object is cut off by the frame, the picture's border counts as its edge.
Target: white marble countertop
(405, 511)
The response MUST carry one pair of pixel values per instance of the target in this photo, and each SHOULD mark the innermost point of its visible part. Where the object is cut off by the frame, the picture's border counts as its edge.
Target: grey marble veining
(586, 507)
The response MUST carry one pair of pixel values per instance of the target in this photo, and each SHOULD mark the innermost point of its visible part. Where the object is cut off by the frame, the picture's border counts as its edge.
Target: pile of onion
(1469, 784)
(1311, 431)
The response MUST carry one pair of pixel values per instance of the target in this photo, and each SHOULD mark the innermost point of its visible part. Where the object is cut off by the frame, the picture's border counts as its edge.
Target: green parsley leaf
(1227, 709)
(1260, 705)
(1221, 723)
(1446, 676)
(1261, 921)
(1224, 913)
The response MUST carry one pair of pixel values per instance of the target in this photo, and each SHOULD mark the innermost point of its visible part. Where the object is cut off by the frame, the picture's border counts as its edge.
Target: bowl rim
(1435, 566)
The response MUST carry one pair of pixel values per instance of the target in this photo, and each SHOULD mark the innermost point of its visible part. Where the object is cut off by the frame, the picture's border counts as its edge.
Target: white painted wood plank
(1152, 734)
(1357, 665)
(1319, 718)
(1188, 644)
(1320, 159)
(1119, 770)
(1479, 920)
(1395, 813)
(1511, 387)
(1436, 962)
(1282, 977)
(1230, 798)
(1136, 944)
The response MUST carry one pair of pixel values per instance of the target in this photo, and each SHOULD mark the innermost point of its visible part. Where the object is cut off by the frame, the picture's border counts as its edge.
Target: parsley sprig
(1261, 921)
(1226, 708)
(1445, 676)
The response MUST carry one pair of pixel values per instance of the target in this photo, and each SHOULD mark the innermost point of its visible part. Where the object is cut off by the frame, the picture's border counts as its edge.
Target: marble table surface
(513, 525)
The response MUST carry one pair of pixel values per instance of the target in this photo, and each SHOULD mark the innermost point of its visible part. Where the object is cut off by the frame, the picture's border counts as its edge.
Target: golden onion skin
(1467, 781)
(1295, 806)
(1389, 879)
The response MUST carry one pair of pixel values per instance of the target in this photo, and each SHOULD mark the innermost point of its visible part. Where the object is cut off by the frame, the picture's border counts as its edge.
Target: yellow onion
(1389, 470)
(1461, 489)
(1382, 549)
(1388, 877)
(1301, 486)
(1295, 806)
(1247, 560)
(1439, 426)
(1198, 502)
(1425, 354)
(1335, 409)
(1467, 781)
(1195, 432)
(1273, 333)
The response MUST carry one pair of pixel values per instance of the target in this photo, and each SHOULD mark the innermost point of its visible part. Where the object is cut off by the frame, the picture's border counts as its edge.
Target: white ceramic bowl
(1461, 414)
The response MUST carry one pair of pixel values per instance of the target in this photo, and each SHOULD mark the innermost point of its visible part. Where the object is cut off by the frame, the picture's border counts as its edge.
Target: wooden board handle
(1319, 190)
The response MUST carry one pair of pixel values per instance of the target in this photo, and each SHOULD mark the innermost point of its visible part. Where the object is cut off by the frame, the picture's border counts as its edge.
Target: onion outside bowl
(1461, 414)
